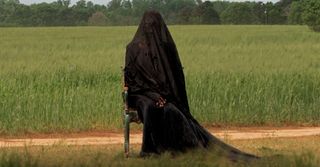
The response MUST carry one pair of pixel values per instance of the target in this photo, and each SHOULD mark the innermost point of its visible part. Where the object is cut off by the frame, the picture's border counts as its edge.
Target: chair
(130, 115)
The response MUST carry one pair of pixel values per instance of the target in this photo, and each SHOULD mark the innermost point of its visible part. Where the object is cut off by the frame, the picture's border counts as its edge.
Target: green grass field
(68, 79)
(277, 152)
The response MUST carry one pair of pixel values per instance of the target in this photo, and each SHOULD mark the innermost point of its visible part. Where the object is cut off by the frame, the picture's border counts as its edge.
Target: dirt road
(105, 138)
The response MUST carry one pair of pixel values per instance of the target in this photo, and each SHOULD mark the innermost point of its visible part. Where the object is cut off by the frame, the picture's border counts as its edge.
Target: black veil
(159, 64)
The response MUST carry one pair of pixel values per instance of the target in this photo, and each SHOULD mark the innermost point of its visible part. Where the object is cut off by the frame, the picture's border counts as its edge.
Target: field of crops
(68, 79)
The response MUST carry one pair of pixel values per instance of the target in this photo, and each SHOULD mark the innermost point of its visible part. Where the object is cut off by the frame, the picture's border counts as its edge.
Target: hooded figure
(154, 76)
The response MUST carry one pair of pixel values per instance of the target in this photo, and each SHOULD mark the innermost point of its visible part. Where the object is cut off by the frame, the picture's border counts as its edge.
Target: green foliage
(178, 11)
(129, 12)
(311, 14)
(220, 6)
(239, 13)
(275, 17)
(207, 13)
(97, 19)
(295, 15)
(46, 14)
(69, 79)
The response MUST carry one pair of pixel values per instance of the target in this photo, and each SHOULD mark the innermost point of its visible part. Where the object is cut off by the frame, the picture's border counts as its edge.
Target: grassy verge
(275, 152)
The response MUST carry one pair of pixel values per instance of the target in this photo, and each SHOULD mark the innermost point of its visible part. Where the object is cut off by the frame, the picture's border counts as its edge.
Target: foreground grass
(68, 79)
(275, 152)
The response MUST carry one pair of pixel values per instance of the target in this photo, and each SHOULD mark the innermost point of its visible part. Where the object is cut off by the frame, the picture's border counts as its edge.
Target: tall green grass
(60, 101)
(255, 99)
(69, 79)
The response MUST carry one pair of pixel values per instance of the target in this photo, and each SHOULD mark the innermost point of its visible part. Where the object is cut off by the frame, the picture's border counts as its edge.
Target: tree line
(129, 12)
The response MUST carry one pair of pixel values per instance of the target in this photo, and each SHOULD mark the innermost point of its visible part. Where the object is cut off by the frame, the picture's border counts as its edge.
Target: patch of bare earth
(109, 138)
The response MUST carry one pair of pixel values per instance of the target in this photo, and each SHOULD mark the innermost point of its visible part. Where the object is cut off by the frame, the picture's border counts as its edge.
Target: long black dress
(153, 70)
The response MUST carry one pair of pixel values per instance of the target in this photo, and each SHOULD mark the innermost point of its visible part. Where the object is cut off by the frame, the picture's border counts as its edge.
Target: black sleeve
(152, 95)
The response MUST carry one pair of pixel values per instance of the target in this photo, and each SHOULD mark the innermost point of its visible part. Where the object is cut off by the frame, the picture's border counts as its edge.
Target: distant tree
(44, 14)
(100, 8)
(274, 14)
(129, 12)
(81, 12)
(311, 14)
(220, 6)
(22, 15)
(126, 8)
(64, 3)
(285, 3)
(7, 12)
(120, 12)
(157, 4)
(207, 14)
(176, 5)
(114, 5)
(185, 15)
(66, 17)
(97, 19)
(259, 11)
(2, 12)
(81, 4)
(295, 15)
(90, 5)
(199, 2)
(178, 11)
(138, 7)
(239, 13)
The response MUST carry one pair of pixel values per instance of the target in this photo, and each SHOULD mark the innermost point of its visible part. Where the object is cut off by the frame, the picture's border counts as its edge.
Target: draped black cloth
(152, 71)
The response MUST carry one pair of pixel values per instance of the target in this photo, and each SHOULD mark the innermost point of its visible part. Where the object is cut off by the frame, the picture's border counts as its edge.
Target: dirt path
(105, 138)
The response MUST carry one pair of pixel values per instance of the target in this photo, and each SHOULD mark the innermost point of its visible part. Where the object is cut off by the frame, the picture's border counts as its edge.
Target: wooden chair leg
(126, 134)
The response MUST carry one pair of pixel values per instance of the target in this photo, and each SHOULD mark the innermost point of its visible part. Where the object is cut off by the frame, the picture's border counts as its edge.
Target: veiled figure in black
(155, 78)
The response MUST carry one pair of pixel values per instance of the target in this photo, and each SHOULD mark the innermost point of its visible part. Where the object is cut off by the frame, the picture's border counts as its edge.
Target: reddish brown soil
(107, 137)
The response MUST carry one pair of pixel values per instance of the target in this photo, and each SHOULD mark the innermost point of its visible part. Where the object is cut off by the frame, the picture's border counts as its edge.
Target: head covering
(153, 63)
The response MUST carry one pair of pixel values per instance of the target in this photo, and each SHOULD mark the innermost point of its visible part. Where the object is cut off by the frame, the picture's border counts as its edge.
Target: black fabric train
(152, 71)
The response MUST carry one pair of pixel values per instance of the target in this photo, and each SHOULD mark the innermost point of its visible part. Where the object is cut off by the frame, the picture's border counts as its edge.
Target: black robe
(153, 70)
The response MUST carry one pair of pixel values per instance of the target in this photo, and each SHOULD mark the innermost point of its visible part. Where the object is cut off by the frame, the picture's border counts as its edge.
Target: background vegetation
(69, 79)
(129, 12)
